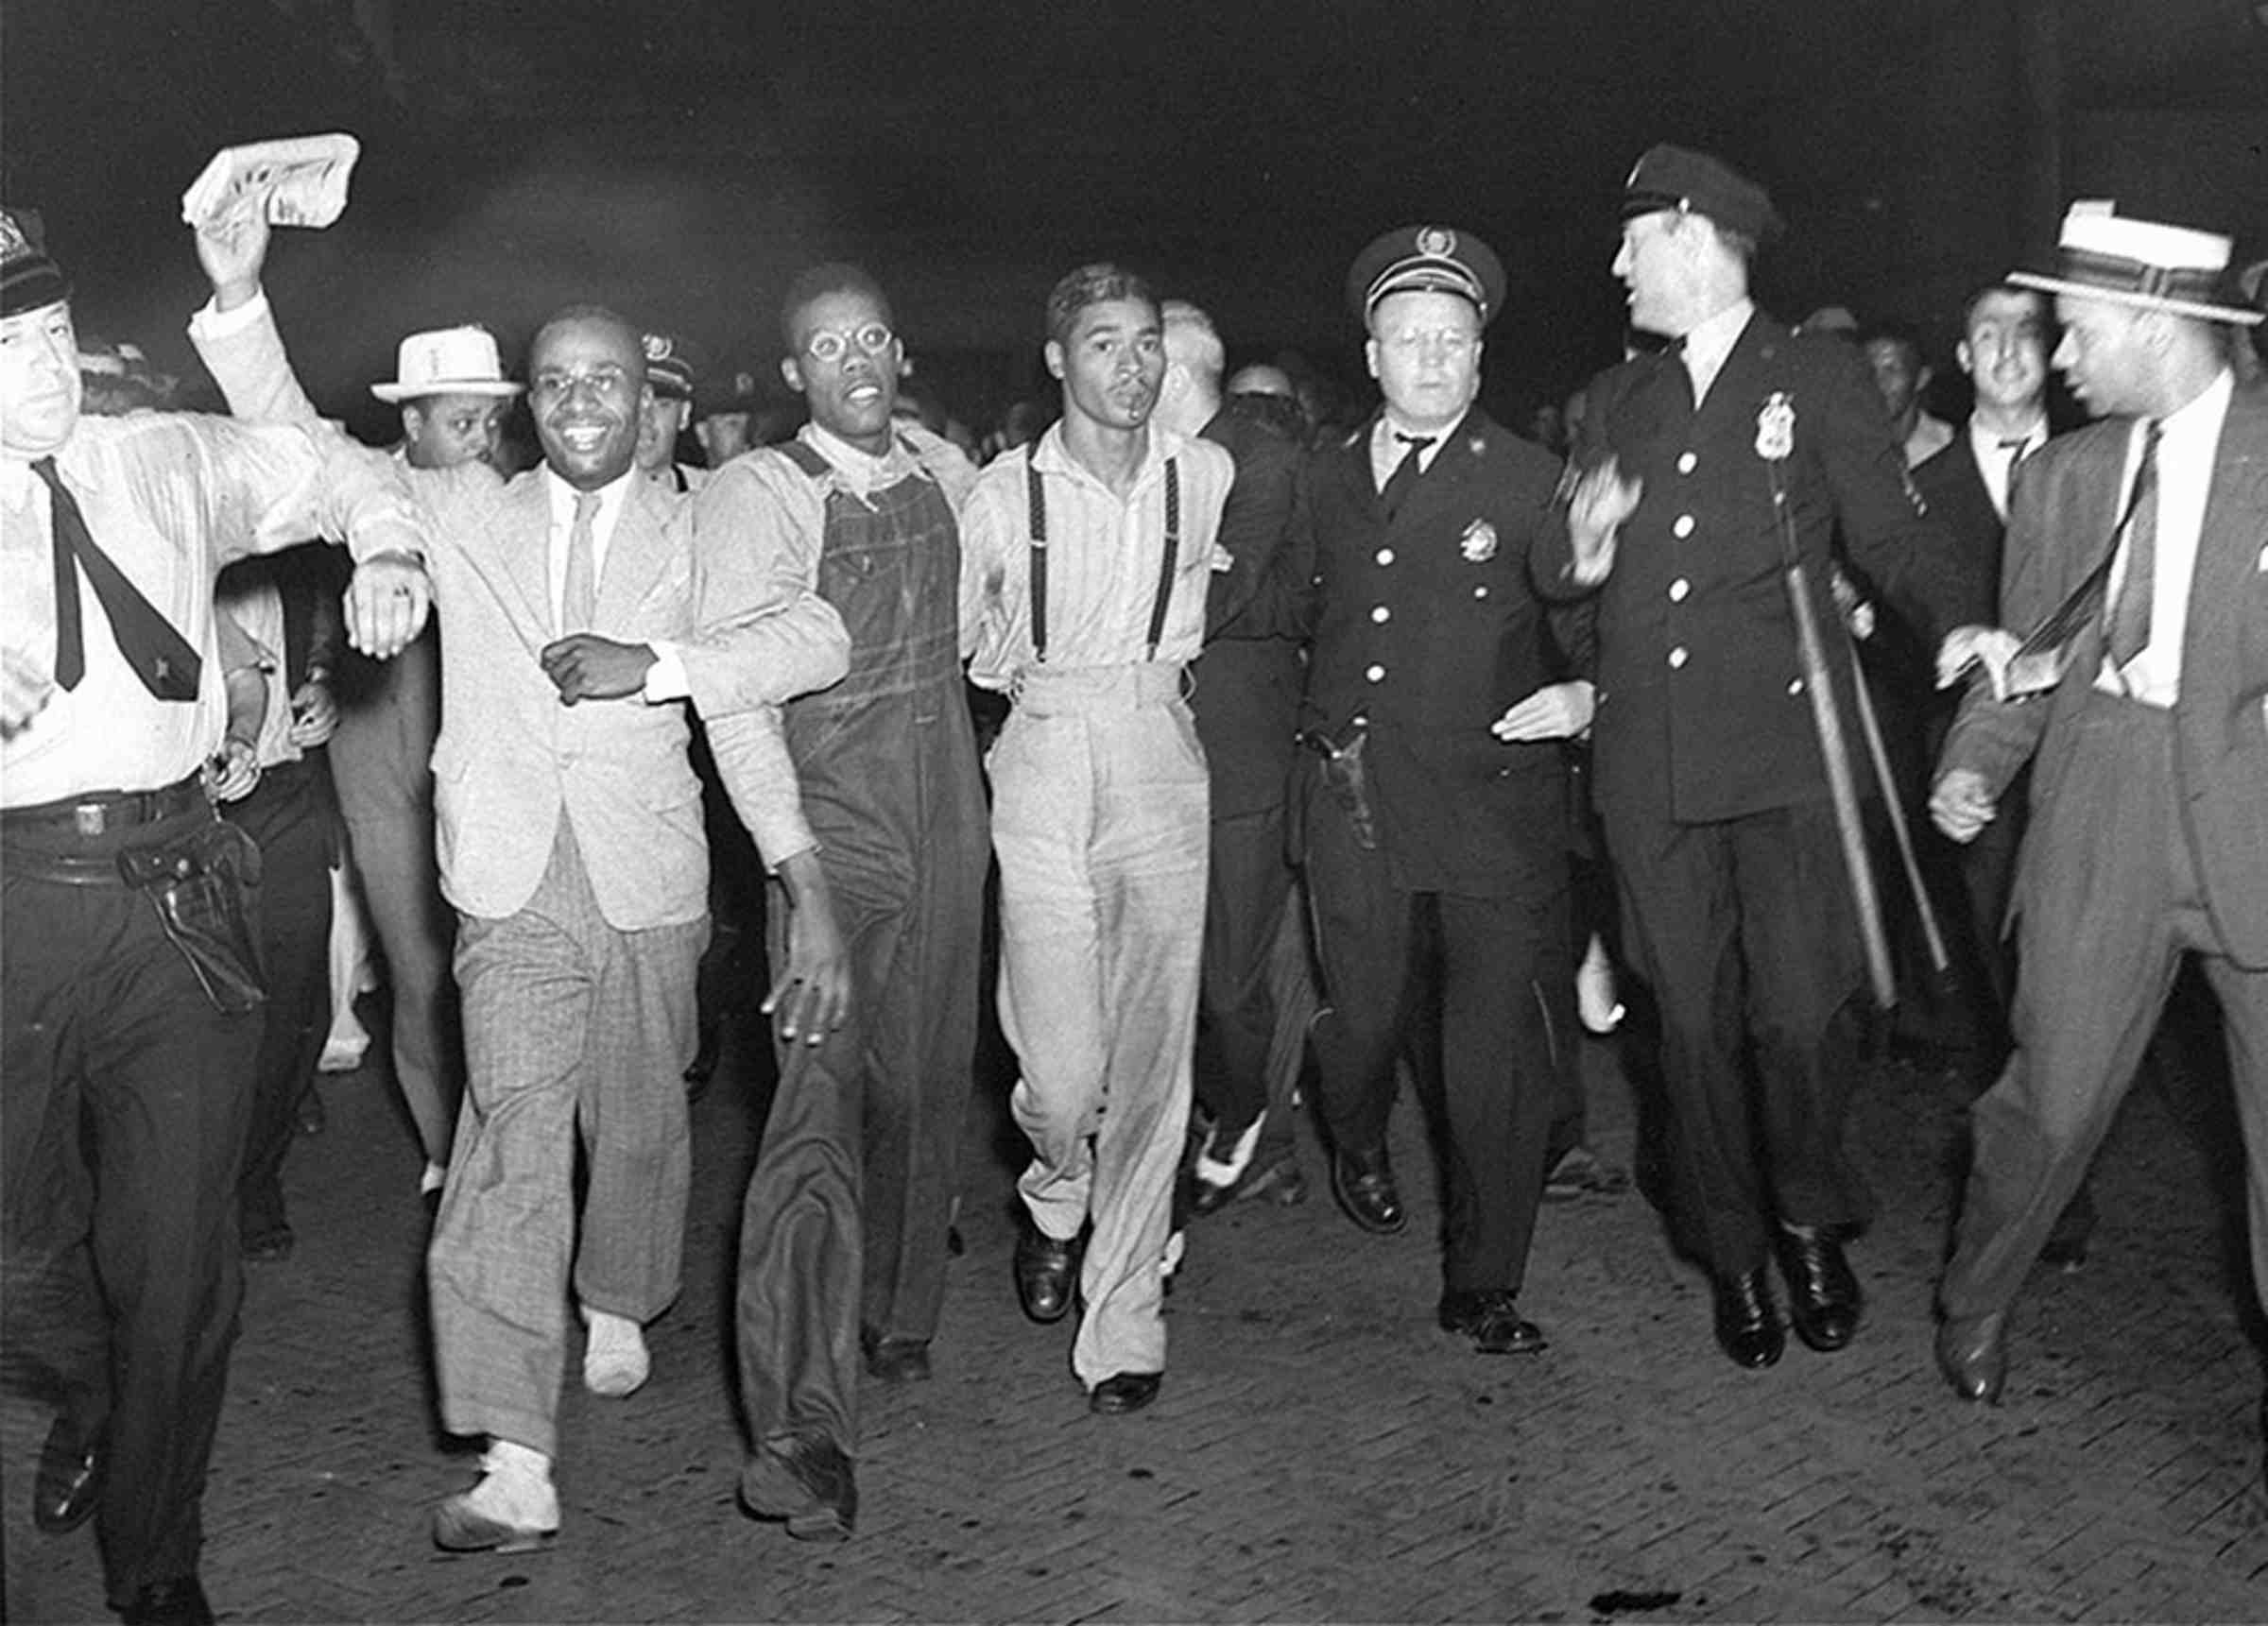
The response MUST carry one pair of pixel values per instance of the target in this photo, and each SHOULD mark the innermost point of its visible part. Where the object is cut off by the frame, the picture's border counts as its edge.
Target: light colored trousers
(568, 1022)
(1099, 820)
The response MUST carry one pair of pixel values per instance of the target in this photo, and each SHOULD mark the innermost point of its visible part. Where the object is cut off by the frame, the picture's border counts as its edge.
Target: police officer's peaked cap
(29, 277)
(1426, 259)
(1680, 179)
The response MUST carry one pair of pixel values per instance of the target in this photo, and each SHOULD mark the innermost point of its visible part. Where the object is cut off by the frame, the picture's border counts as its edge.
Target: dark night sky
(681, 160)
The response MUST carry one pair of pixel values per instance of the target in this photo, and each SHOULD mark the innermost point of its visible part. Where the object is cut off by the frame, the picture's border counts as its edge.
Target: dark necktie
(2130, 616)
(1405, 472)
(2013, 449)
(160, 655)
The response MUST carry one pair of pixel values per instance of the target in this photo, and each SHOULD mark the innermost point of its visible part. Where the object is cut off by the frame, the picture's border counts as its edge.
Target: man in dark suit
(1244, 695)
(2149, 835)
(1713, 468)
(2004, 337)
(1432, 814)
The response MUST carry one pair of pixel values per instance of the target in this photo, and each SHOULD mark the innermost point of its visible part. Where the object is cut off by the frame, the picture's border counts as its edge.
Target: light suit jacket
(511, 761)
(2065, 507)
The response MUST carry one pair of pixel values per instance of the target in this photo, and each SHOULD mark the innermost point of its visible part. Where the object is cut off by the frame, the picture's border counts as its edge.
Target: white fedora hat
(446, 361)
(2139, 263)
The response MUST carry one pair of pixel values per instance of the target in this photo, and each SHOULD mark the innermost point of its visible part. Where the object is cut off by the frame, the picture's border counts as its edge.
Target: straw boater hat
(446, 361)
(2139, 263)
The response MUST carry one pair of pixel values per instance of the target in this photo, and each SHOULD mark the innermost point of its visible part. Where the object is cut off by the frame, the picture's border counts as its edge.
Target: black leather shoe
(1823, 1294)
(1972, 1352)
(1748, 1328)
(1363, 1181)
(1491, 1320)
(180, 1601)
(897, 1360)
(69, 1481)
(1044, 1272)
(806, 1482)
(1124, 1391)
(2065, 1254)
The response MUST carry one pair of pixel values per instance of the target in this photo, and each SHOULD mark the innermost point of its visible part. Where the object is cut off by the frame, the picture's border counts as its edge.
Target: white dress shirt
(1709, 341)
(2188, 438)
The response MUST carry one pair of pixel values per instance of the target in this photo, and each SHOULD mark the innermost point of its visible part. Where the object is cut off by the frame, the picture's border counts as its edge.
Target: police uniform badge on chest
(1478, 544)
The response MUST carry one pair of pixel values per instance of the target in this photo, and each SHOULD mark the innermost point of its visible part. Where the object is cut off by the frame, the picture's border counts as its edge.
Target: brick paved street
(1320, 1452)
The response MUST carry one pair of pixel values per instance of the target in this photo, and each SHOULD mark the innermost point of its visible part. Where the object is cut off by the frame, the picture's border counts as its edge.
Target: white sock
(616, 1361)
(515, 1487)
(1216, 1172)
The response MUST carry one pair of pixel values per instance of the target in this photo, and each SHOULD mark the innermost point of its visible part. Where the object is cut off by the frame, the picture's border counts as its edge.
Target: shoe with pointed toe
(1045, 1270)
(804, 1481)
(179, 1601)
(1823, 1294)
(1491, 1320)
(1124, 1391)
(1748, 1329)
(1363, 1181)
(69, 1481)
(1972, 1353)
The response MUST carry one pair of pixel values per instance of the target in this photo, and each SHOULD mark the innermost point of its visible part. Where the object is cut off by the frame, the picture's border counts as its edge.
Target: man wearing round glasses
(843, 1232)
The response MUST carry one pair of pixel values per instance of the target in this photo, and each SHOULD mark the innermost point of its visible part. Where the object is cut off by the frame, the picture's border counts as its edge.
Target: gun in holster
(1344, 778)
(201, 886)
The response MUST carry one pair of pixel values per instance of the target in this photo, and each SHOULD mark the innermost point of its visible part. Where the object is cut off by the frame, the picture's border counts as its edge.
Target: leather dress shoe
(1280, 1182)
(1363, 1181)
(177, 1602)
(1491, 1320)
(805, 1481)
(1124, 1391)
(1823, 1294)
(1972, 1352)
(1748, 1328)
(69, 1483)
(2065, 1254)
(1045, 1270)
(896, 1360)
(460, 1527)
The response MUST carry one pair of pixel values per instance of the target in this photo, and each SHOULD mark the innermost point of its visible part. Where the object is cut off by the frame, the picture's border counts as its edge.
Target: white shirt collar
(1708, 342)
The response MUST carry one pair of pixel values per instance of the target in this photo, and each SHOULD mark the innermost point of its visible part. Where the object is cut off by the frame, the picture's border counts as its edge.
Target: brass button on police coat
(1686, 462)
(1684, 527)
(1677, 657)
(1679, 588)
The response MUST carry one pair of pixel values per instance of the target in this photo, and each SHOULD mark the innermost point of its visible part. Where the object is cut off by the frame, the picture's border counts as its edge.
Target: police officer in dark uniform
(1432, 811)
(1708, 772)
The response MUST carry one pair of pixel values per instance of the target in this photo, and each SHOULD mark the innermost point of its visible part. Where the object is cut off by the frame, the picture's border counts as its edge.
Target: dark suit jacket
(1426, 628)
(1702, 709)
(1244, 685)
(1952, 486)
(2066, 503)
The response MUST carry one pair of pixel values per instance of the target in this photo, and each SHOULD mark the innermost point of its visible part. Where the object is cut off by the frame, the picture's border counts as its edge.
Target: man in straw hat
(127, 1035)
(1715, 474)
(2149, 835)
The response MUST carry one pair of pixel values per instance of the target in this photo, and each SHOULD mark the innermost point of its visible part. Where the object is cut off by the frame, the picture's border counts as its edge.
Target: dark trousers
(1746, 933)
(1459, 989)
(289, 816)
(844, 1224)
(124, 1097)
(1248, 888)
(2110, 902)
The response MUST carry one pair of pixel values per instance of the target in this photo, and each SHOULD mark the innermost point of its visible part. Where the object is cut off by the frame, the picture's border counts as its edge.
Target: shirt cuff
(211, 323)
(666, 679)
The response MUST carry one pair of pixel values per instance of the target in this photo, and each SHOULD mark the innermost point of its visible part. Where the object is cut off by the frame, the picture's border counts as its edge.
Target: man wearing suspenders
(843, 1232)
(1085, 561)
